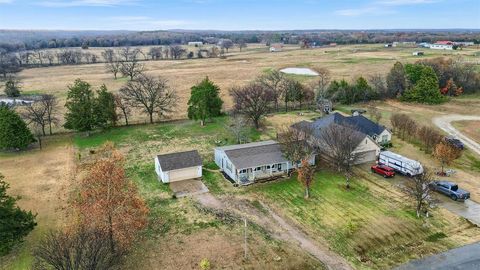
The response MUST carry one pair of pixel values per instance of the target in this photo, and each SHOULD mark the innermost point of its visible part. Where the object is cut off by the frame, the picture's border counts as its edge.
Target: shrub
(204, 264)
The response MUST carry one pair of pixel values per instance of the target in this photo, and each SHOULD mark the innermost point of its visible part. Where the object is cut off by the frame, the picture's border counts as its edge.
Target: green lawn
(368, 228)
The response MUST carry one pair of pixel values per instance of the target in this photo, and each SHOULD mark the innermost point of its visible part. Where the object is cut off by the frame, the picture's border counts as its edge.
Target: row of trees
(27, 40)
(433, 142)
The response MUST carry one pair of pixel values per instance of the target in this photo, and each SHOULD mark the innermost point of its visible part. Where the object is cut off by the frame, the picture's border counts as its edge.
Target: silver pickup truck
(450, 189)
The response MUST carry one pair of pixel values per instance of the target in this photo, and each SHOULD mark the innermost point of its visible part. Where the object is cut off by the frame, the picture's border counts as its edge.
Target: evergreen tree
(15, 223)
(14, 133)
(396, 80)
(205, 101)
(81, 107)
(425, 89)
(105, 108)
(12, 87)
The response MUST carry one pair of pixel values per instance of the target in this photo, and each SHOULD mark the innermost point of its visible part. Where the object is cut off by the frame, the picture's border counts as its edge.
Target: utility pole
(245, 238)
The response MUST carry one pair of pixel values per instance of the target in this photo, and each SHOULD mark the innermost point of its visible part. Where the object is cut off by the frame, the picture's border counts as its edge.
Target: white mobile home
(178, 166)
(400, 163)
(246, 163)
(441, 47)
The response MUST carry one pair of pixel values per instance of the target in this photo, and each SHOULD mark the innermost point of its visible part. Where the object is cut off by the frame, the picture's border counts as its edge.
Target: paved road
(468, 209)
(464, 258)
(444, 123)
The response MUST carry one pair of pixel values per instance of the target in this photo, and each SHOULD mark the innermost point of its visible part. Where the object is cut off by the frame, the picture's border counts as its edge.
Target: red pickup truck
(383, 170)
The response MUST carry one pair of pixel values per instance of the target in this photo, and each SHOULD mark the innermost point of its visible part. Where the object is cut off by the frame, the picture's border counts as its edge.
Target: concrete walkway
(464, 258)
(445, 123)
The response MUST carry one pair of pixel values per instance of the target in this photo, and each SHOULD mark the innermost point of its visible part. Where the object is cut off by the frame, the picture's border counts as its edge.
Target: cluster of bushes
(409, 129)
(427, 81)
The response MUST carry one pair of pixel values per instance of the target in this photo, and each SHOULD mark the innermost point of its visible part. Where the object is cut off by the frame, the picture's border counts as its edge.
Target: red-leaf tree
(109, 201)
(305, 176)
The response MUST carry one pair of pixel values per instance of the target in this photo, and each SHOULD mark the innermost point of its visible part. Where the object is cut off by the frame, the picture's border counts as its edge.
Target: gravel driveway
(445, 123)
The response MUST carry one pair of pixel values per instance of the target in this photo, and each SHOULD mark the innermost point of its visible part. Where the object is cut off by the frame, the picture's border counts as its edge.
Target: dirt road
(445, 123)
(277, 225)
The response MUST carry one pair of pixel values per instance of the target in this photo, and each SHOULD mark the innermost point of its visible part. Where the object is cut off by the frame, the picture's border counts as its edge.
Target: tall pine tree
(80, 105)
(14, 133)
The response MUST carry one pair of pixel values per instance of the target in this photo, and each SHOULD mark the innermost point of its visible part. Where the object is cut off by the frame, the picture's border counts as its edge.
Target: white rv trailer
(400, 163)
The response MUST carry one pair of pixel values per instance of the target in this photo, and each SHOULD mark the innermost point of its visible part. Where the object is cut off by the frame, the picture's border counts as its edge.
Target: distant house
(276, 47)
(195, 43)
(437, 46)
(178, 166)
(370, 133)
(418, 53)
(464, 43)
(388, 45)
(333, 44)
(444, 42)
(247, 163)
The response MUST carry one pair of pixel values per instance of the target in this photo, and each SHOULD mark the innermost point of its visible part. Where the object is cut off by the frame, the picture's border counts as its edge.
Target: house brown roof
(180, 160)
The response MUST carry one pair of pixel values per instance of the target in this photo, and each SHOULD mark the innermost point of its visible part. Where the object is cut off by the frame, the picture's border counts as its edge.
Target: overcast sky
(238, 14)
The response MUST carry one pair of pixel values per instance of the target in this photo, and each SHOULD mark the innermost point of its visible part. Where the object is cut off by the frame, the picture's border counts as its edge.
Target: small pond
(299, 71)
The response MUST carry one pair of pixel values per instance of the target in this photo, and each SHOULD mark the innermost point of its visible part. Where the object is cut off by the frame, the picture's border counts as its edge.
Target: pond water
(299, 71)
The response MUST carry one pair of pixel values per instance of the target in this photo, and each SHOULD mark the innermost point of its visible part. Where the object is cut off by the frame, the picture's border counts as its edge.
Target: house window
(229, 166)
(268, 166)
(258, 168)
(366, 141)
(385, 138)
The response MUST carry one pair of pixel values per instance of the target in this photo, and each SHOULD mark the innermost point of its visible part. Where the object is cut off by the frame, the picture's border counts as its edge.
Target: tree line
(426, 81)
(27, 40)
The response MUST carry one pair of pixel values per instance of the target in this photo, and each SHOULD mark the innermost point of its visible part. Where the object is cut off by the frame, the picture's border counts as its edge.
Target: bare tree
(132, 68)
(379, 85)
(50, 103)
(293, 140)
(321, 85)
(430, 137)
(305, 176)
(109, 55)
(252, 101)
(177, 51)
(238, 127)
(337, 145)
(273, 81)
(50, 57)
(129, 54)
(226, 44)
(124, 107)
(153, 95)
(42, 113)
(374, 113)
(77, 249)
(114, 66)
(242, 44)
(155, 53)
(419, 190)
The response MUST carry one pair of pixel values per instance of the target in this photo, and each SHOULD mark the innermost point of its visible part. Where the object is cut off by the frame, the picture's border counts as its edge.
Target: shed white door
(366, 156)
(182, 174)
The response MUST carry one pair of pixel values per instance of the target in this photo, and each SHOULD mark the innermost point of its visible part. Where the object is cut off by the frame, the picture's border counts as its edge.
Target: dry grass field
(239, 68)
(469, 128)
(180, 235)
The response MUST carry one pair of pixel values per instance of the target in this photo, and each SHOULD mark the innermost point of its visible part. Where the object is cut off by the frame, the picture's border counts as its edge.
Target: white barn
(178, 166)
(441, 47)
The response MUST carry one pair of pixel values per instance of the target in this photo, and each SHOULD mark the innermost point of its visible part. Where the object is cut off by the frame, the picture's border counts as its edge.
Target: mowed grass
(215, 130)
(372, 230)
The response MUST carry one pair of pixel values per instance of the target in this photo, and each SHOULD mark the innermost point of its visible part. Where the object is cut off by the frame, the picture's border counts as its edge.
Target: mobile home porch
(250, 175)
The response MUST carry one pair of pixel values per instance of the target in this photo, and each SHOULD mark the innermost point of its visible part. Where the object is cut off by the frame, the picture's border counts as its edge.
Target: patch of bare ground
(224, 249)
(42, 178)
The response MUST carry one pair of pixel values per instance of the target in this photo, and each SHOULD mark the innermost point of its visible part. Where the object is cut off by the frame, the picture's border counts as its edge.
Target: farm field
(344, 62)
(372, 225)
(469, 128)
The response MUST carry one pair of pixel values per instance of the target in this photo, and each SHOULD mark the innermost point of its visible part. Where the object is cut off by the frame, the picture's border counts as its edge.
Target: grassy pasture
(372, 225)
(344, 62)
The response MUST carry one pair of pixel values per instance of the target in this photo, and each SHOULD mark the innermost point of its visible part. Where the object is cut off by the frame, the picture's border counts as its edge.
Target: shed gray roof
(254, 154)
(180, 160)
